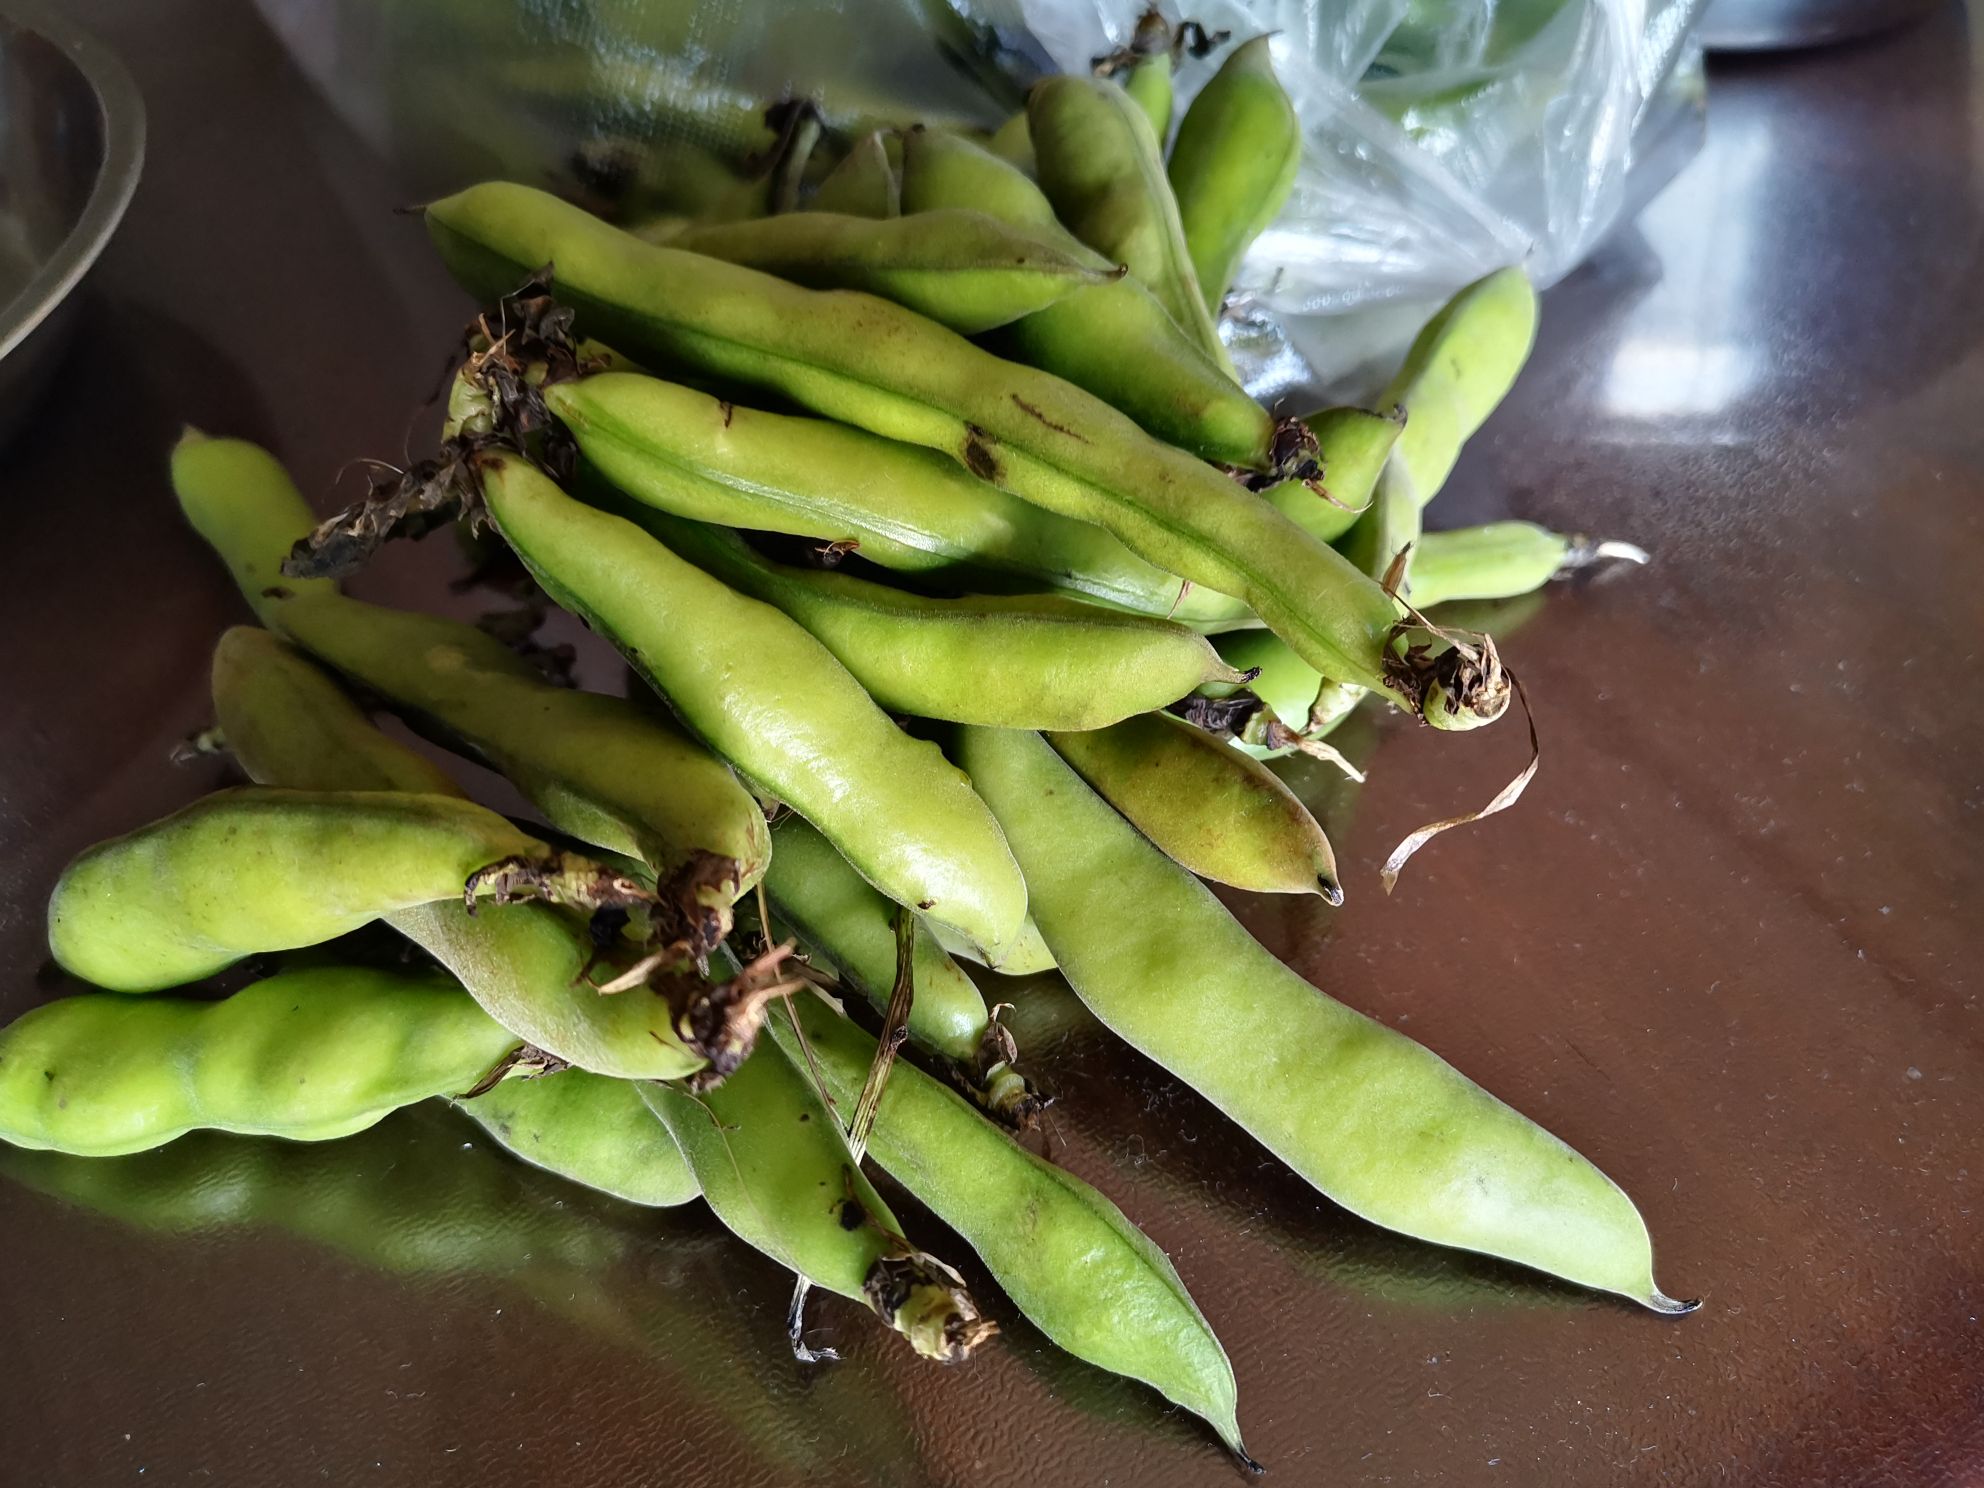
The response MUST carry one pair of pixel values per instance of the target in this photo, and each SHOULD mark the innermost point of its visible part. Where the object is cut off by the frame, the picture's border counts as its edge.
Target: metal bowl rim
(122, 111)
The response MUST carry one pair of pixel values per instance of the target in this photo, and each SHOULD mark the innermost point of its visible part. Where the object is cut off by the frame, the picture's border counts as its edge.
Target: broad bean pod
(1149, 84)
(1113, 340)
(1233, 164)
(902, 506)
(773, 701)
(599, 768)
(1501, 560)
(1102, 168)
(590, 1129)
(258, 869)
(961, 268)
(1461, 365)
(1208, 806)
(309, 1055)
(1069, 1258)
(1019, 661)
(871, 363)
(1375, 1121)
(774, 1166)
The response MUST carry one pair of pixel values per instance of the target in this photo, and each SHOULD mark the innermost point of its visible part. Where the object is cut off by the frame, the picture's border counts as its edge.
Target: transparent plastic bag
(1442, 138)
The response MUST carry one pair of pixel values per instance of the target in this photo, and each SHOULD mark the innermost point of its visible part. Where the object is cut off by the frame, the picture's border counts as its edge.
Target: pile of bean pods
(970, 599)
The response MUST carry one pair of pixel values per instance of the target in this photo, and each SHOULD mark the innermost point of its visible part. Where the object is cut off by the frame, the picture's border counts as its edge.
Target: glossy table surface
(1724, 947)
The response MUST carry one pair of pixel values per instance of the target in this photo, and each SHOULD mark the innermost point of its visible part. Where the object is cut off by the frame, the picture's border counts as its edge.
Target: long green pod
(287, 723)
(1233, 164)
(1011, 661)
(773, 701)
(961, 268)
(257, 869)
(775, 1168)
(1103, 169)
(1352, 445)
(1378, 1123)
(864, 184)
(309, 1055)
(1113, 340)
(599, 768)
(902, 506)
(590, 1129)
(1501, 560)
(1069, 1258)
(1149, 85)
(1458, 369)
(1209, 807)
(816, 893)
(887, 369)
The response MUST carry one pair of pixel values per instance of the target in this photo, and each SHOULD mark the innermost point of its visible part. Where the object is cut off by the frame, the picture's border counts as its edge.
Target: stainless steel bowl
(72, 139)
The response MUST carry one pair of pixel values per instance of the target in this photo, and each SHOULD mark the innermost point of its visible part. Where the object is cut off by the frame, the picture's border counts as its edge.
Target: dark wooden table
(1726, 947)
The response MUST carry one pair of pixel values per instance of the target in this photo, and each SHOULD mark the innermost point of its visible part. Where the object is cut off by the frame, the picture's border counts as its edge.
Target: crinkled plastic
(1442, 138)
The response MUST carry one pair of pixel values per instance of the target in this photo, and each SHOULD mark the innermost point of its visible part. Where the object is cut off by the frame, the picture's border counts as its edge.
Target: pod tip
(1331, 890)
(1668, 1306)
(189, 434)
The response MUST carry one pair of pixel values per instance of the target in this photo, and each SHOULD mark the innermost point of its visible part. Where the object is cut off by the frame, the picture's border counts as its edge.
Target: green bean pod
(1352, 445)
(599, 768)
(1011, 661)
(259, 869)
(286, 722)
(1233, 164)
(864, 184)
(871, 363)
(903, 507)
(593, 1130)
(309, 1055)
(1209, 807)
(1501, 560)
(963, 269)
(1069, 1258)
(289, 724)
(1149, 85)
(773, 701)
(775, 1168)
(817, 893)
(1458, 369)
(1102, 168)
(1379, 1124)
(1113, 340)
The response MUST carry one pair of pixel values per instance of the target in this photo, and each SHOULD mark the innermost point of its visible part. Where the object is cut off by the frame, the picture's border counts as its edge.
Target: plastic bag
(1442, 138)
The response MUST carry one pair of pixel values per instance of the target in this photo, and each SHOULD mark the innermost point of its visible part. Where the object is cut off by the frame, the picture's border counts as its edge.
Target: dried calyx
(1154, 34)
(496, 403)
(1454, 680)
(925, 1301)
(557, 878)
